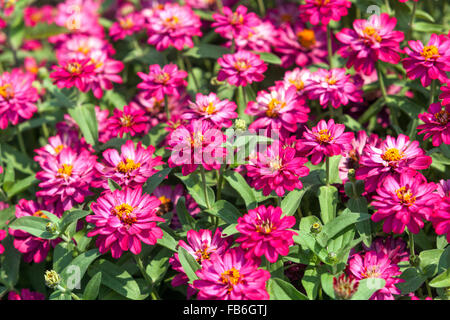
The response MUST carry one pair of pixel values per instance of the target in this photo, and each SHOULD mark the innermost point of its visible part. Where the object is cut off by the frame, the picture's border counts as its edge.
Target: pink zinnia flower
(211, 108)
(333, 87)
(443, 188)
(437, 125)
(2, 236)
(131, 168)
(231, 276)
(323, 11)
(105, 73)
(394, 248)
(325, 140)
(25, 294)
(202, 246)
(56, 144)
(404, 201)
(301, 45)
(276, 169)
(66, 177)
(279, 109)
(17, 97)
(123, 219)
(445, 95)
(391, 157)
(231, 24)
(345, 286)
(261, 38)
(173, 25)
(75, 72)
(376, 265)
(265, 232)
(160, 82)
(241, 68)
(197, 143)
(300, 78)
(126, 26)
(371, 40)
(33, 248)
(428, 62)
(441, 217)
(130, 120)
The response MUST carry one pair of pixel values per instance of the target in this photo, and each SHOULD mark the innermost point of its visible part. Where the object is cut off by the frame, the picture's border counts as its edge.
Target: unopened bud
(316, 228)
(50, 227)
(216, 82)
(52, 279)
(240, 125)
(332, 258)
(414, 260)
(344, 286)
(351, 175)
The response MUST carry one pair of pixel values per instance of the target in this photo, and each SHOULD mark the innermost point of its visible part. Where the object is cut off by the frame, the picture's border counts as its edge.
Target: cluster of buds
(344, 286)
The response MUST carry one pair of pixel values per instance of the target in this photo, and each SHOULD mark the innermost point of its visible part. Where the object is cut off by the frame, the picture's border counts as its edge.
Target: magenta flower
(428, 62)
(325, 140)
(75, 72)
(196, 143)
(56, 144)
(373, 264)
(2, 236)
(265, 232)
(391, 157)
(443, 188)
(160, 82)
(436, 125)
(404, 201)
(276, 169)
(123, 219)
(130, 120)
(261, 38)
(25, 294)
(131, 168)
(279, 109)
(106, 72)
(17, 97)
(241, 68)
(202, 246)
(333, 87)
(394, 248)
(323, 11)
(345, 286)
(210, 108)
(371, 40)
(301, 45)
(33, 248)
(231, 276)
(173, 26)
(445, 95)
(126, 26)
(300, 78)
(441, 217)
(66, 177)
(233, 24)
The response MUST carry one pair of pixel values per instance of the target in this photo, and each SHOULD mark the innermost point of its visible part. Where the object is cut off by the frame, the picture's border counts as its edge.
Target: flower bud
(50, 227)
(216, 82)
(351, 175)
(52, 279)
(240, 125)
(316, 228)
(332, 258)
(344, 286)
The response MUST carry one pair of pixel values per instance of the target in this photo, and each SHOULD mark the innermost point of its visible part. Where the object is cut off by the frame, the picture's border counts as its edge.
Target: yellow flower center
(74, 67)
(197, 139)
(299, 84)
(84, 49)
(123, 212)
(127, 166)
(210, 109)
(59, 148)
(126, 121)
(165, 206)
(241, 65)
(324, 136)
(405, 196)
(307, 38)
(322, 2)
(330, 81)
(36, 16)
(172, 22)
(442, 117)
(7, 91)
(430, 52)
(370, 32)
(371, 272)
(40, 214)
(126, 23)
(237, 18)
(65, 171)
(392, 154)
(265, 227)
(163, 77)
(230, 277)
(203, 254)
(272, 110)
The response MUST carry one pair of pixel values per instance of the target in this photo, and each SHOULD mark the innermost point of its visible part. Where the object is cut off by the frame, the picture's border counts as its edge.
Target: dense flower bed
(224, 150)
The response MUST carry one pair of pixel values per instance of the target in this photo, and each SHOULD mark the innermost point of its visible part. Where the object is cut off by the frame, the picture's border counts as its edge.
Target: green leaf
(155, 180)
(11, 263)
(238, 183)
(33, 225)
(190, 265)
(311, 282)
(292, 201)
(428, 27)
(186, 219)
(364, 228)
(71, 216)
(326, 280)
(19, 160)
(205, 50)
(194, 185)
(205, 15)
(21, 185)
(268, 57)
(442, 280)
(59, 295)
(79, 265)
(328, 198)
(429, 261)
(226, 211)
(117, 279)
(159, 265)
(113, 186)
(62, 256)
(413, 280)
(367, 287)
(279, 289)
(84, 116)
(93, 287)
(230, 230)
(168, 241)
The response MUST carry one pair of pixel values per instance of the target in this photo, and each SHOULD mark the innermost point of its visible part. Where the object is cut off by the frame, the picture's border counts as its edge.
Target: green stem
(262, 9)
(74, 296)
(45, 130)
(411, 245)
(205, 192)
(166, 106)
(21, 142)
(147, 278)
(327, 165)
(432, 91)
(411, 21)
(243, 104)
(428, 289)
(381, 82)
(220, 182)
(191, 72)
(388, 7)
(180, 61)
(330, 48)
(279, 202)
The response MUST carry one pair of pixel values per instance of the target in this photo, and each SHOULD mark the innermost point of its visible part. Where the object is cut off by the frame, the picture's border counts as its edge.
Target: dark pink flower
(231, 24)
(445, 95)
(126, 26)
(105, 73)
(123, 219)
(130, 120)
(437, 125)
(371, 40)
(428, 62)
(264, 232)
(56, 144)
(241, 68)
(404, 201)
(25, 294)
(325, 140)
(390, 157)
(345, 286)
(441, 217)
(231, 276)
(394, 248)
(323, 11)
(2, 236)
(160, 82)
(75, 72)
